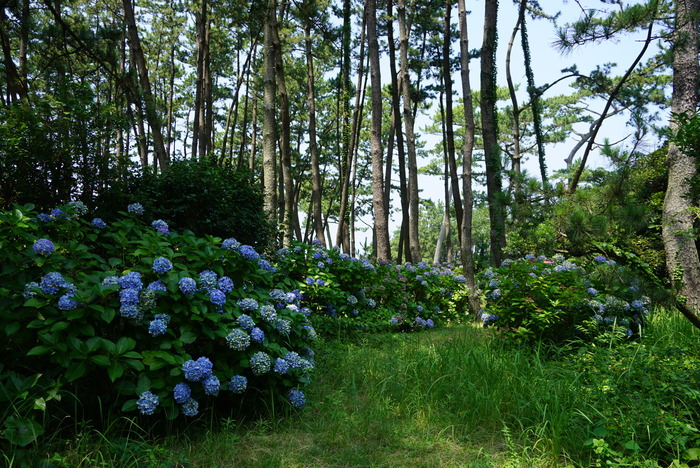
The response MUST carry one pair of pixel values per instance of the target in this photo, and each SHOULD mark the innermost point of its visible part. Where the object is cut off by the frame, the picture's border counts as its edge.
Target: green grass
(450, 397)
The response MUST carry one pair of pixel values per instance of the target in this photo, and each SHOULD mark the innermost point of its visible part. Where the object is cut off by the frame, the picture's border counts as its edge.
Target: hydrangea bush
(554, 299)
(136, 316)
(341, 290)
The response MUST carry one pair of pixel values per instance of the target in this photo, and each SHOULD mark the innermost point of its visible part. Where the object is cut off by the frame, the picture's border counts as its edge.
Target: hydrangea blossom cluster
(162, 265)
(43, 247)
(297, 398)
(135, 208)
(147, 403)
(260, 363)
(238, 339)
(238, 384)
(98, 223)
(161, 226)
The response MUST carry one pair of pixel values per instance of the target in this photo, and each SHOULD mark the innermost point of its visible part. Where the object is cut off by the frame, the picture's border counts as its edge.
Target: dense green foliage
(107, 318)
(198, 196)
(540, 299)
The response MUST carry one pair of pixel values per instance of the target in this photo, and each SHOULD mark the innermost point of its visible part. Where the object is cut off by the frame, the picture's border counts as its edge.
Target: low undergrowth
(458, 396)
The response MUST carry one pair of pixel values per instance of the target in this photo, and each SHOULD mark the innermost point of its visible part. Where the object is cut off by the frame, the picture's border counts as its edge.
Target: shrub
(353, 293)
(133, 316)
(555, 300)
(201, 197)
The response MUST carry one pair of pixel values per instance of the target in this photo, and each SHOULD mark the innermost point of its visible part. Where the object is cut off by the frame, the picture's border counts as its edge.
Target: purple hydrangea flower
(160, 226)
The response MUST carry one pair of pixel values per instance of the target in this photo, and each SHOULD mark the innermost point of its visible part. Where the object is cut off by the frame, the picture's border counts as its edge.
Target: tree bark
(682, 259)
(413, 196)
(492, 157)
(148, 98)
(269, 131)
(381, 219)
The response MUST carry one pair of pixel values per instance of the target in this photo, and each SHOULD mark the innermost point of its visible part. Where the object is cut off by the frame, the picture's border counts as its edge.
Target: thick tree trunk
(682, 258)
(413, 197)
(381, 219)
(492, 157)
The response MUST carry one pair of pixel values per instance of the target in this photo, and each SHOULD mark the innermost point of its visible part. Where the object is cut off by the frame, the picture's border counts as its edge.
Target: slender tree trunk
(467, 244)
(284, 141)
(413, 197)
(396, 86)
(148, 98)
(269, 121)
(345, 169)
(682, 259)
(492, 157)
(381, 219)
(313, 149)
(449, 116)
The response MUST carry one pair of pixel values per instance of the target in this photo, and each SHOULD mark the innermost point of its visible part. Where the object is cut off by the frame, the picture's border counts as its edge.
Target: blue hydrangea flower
(110, 281)
(265, 265)
(278, 295)
(600, 259)
(281, 366)
(248, 304)
(182, 393)
(157, 327)
(208, 279)
(419, 308)
(198, 370)
(29, 291)
(225, 284)
(310, 332)
(135, 208)
(371, 303)
(129, 296)
(78, 207)
(496, 293)
(592, 292)
(187, 285)
(147, 403)
(162, 265)
(460, 279)
(246, 322)
(309, 281)
(420, 322)
(260, 363)
(257, 335)
(283, 326)
(66, 302)
(98, 223)
(352, 300)
(268, 313)
(429, 323)
(494, 283)
(230, 244)
(321, 265)
(211, 385)
(190, 408)
(293, 359)
(217, 297)
(164, 317)
(238, 339)
(51, 283)
(489, 318)
(297, 398)
(160, 226)
(157, 285)
(320, 282)
(238, 384)
(43, 247)
(131, 280)
(43, 217)
(248, 252)
(128, 311)
(58, 213)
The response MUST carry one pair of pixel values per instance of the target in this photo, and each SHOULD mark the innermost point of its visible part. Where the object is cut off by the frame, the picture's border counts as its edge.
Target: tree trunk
(516, 157)
(381, 219)
(148, 98)
(449, 116)
(682, 259)
(269, 131)
(492, 157)
(413, 197)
